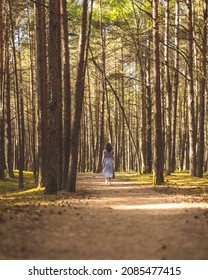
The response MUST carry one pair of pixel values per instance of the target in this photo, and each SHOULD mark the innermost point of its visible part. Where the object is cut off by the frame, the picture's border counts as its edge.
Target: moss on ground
(177, 183)
(31, 195)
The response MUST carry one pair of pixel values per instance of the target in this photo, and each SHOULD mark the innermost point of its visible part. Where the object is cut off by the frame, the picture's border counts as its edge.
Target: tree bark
(123, 140)
(79, 97)
(92, 138)
(20, 140)
(2, 157)
(42, 91)
(8, 122)
(203, 84)
(168, 92)
(158, 134)
(104, 89)
(54, 153)
(33, 95)
(149, 110)
(176, 86)
(191, 101)
(144, 114)
(67, 93)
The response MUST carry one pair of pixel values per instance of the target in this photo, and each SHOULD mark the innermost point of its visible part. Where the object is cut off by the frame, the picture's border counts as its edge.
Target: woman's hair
(108, 147)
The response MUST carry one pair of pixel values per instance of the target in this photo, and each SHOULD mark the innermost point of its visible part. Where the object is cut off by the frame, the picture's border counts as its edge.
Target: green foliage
(119, 10)
(74, 9)
(74, 19)
(113, 11)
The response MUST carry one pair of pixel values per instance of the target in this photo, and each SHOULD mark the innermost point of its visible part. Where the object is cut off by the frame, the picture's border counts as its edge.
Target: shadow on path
(125, 220)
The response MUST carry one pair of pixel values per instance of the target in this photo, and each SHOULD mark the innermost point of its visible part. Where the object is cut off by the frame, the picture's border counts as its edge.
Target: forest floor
(126, 220)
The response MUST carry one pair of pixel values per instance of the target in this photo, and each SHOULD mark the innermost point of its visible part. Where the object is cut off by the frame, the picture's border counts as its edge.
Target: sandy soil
(122, 221)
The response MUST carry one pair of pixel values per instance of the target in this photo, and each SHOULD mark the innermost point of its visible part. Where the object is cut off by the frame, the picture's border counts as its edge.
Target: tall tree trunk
(202, 95)
(123, 152)
(2, 157)
(144, 115)
(79, 97)
(104, 88)
(123, 142)
(93, 150)
(22, 117)
(42, 91)
(176, 86)
(191, 102)
(67, 94)
(8, 121)
(54, 153)
(33, 101)
(20, 140)
(183, 129)
(149, 113)
(168, 92)
(158, 138)
(83, 142)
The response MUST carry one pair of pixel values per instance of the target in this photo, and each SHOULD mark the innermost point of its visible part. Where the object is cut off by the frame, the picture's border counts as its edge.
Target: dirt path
(121, 221)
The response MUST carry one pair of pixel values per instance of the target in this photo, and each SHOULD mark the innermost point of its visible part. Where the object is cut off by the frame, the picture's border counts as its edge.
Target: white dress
(108, 164)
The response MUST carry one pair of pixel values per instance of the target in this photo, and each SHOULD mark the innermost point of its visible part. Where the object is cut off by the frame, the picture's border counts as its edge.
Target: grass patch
(11, 195)
(177, 183)
(183, 183)
(131, 176)
(31, 195)
(10, 185)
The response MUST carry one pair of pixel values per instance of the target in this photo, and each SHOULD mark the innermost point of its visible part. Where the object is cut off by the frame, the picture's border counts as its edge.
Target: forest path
(125, 220)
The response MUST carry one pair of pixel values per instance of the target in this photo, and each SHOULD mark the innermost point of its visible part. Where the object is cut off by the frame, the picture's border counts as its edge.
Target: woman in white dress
(108, 161)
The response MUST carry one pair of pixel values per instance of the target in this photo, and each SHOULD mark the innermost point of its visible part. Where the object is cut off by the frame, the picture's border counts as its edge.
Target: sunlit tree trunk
(91, 124)
(168, 91)
(17, 97)
(104, 88)
(33, 101)
(9, 149)
(144, 114)
(42, 91)
(158, 138)
(183, 129)
(176, 86)
(149, 110)
(83, 143)
(22, 117)
(67, 93)
(203, 84)
(118, 128)
(123, 150)
(191, 101)
(79, 97)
